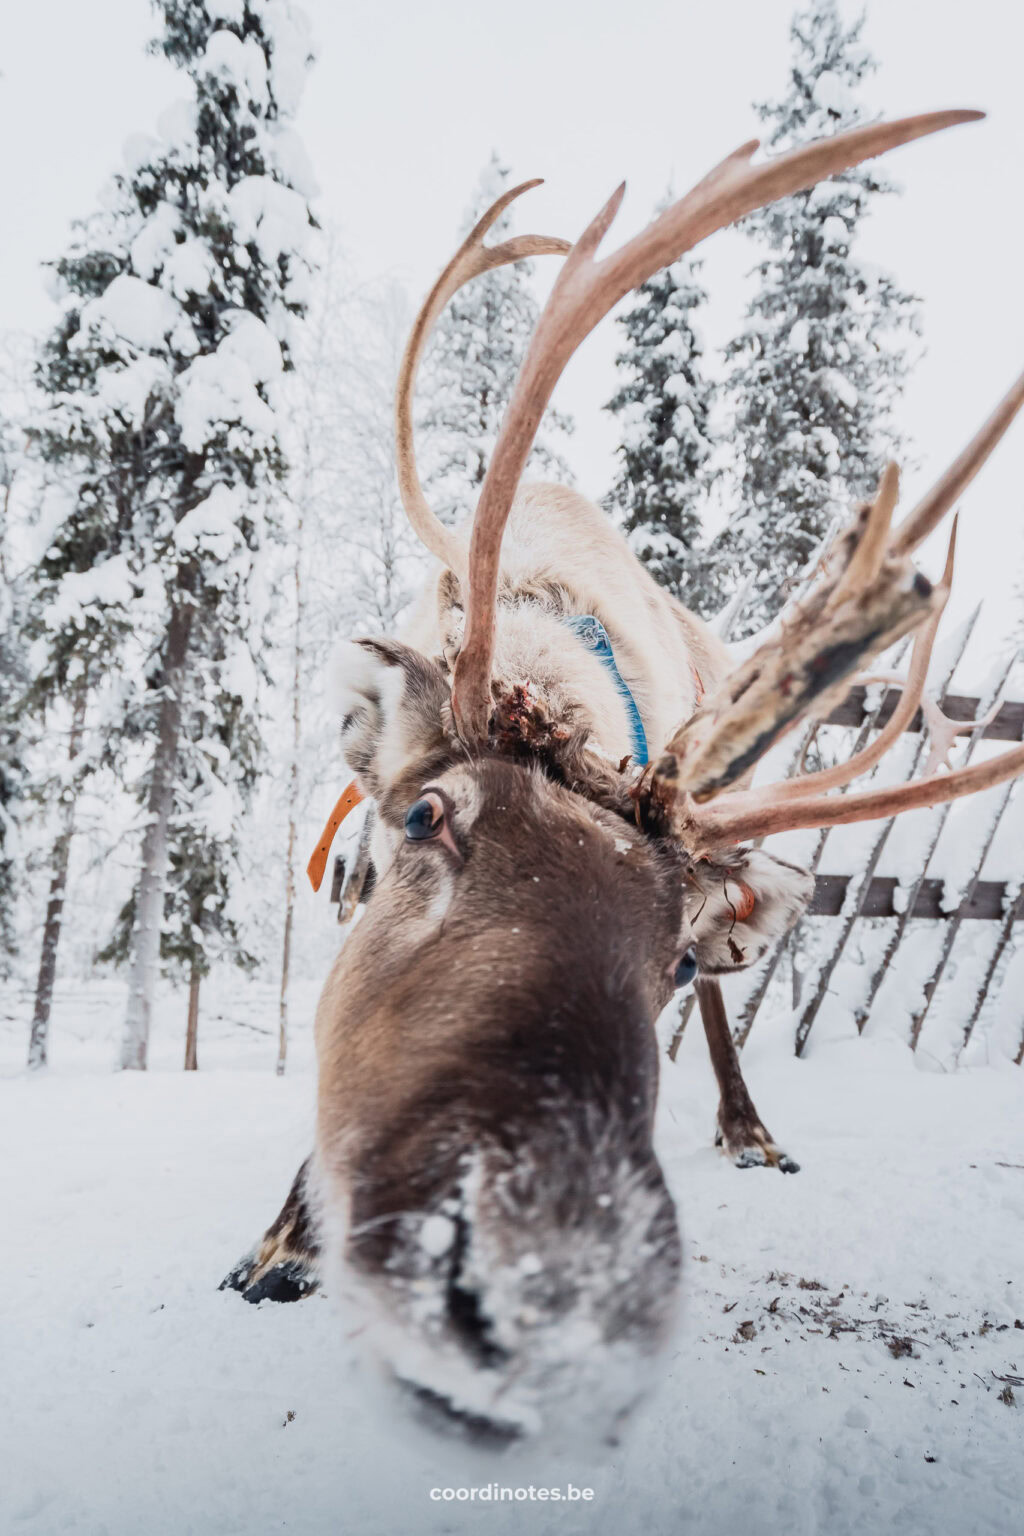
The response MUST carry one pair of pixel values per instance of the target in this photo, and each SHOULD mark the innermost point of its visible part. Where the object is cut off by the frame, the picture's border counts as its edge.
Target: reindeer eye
(686, 970)
(424, 819)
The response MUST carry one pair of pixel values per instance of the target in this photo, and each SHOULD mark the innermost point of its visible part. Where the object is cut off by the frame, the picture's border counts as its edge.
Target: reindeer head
(488, 1065)
(488, 1068)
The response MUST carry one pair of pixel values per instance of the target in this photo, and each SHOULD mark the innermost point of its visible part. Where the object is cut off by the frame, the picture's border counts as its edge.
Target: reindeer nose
(686, 970)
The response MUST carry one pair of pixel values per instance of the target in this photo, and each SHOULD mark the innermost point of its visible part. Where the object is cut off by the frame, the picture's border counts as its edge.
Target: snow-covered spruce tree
(820, 362)
(81, 617)
(469, 372)
(11, 783)
(41, 696)
(663, 408)
(172, 342)
(12, 679)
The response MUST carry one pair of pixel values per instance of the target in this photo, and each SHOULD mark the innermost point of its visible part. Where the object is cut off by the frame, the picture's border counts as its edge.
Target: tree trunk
(150, 903)
(286, 954)
(293, 800)
(192, 1033)
(39, 1038)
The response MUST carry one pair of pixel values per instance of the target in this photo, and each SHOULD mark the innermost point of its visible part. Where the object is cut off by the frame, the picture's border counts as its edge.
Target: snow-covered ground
(850, 1357)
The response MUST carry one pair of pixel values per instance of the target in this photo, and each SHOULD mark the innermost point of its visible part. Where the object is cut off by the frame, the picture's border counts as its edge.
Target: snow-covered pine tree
(469, 372)
(663, 408)
(174, 335)
(816, 371)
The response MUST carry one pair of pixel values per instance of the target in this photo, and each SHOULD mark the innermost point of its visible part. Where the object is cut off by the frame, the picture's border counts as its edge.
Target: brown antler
(909, 703)
(805, 665)
(863, 601)
(728, 821)
(471, 260)
(586, 289)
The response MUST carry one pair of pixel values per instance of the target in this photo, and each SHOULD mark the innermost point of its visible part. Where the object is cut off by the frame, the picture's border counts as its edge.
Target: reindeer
(484, 1180)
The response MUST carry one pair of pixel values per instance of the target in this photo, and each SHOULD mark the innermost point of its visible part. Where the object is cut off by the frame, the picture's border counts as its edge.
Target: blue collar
(595, 637)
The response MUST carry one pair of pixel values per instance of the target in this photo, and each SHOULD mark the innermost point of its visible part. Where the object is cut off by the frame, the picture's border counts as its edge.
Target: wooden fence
(852, 900)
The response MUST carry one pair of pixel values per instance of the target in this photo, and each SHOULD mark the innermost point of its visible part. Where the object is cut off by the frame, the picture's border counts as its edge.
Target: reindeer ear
(394, 704)
(741, 905)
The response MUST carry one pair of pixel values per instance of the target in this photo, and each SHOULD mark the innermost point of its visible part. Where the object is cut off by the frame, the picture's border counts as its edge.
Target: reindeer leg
(741, 1134)
(284, 1265)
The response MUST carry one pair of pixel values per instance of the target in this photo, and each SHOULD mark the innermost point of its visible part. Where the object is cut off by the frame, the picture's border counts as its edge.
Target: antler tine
(584, 292)
(718, 824)
(932, 508)
(471, 260)
(840, 624)
(863, 600)
(791, 807)
(902, 715)
(870, 552)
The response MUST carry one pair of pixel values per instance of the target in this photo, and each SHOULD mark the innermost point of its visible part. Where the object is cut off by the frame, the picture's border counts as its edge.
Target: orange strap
(699, 683)
(350, 798)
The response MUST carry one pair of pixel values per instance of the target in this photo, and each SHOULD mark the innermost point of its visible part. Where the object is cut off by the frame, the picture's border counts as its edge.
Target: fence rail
(987, 901)
(1006, 725)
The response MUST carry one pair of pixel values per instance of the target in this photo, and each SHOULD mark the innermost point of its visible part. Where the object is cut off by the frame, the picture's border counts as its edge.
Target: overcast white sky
(409, 97)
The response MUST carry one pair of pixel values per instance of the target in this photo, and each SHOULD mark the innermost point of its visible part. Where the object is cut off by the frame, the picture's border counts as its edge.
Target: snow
(287, 153)
(147, 1400)
(238, 676)
(189, 268)
(128, 388)
(273, 217)
(212, 525)
(251, 341)
(230, 12)
(216, 390)
(840, 388)
(678, 387)
(240, 63)
(835, 232)
(107, 584)
(832, 94)
(437, 1235)
(288, 27)
(135, 311)
(155, 240)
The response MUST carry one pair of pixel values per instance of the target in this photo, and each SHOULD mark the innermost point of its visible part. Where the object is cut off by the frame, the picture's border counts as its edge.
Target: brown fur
(488, 1065)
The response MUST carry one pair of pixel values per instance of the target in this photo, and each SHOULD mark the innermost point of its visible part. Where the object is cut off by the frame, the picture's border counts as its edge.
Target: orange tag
(350, 798)
(699, 684)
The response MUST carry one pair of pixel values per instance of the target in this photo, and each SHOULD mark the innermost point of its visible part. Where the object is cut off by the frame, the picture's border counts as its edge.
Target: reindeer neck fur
(561, 557)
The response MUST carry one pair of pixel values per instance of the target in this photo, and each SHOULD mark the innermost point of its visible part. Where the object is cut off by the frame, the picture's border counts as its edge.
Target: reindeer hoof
(752, 1147)
(291, 1280)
